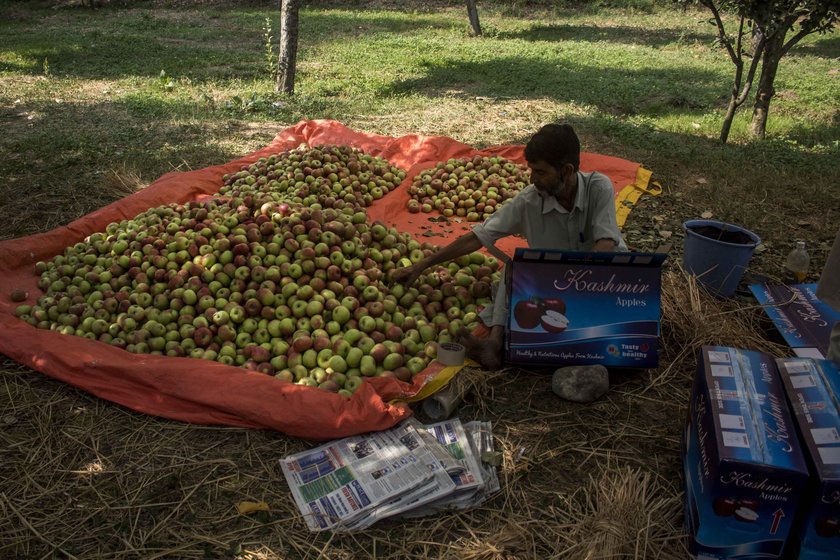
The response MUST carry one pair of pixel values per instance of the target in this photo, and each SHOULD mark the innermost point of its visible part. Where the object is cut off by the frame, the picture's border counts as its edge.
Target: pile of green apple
(470, 188)
(332, 176)
(301, 293)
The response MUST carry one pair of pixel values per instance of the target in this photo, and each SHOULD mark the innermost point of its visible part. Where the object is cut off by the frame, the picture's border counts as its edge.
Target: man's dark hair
(555, 144)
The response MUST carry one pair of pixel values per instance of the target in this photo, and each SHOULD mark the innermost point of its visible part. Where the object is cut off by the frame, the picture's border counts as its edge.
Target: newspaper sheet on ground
(408, 471)
(481, 442)
(439, 485)
(470, 482)
(340, 483)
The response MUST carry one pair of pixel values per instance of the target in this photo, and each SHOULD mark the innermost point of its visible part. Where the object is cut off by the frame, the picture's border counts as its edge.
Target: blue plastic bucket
(718, 265)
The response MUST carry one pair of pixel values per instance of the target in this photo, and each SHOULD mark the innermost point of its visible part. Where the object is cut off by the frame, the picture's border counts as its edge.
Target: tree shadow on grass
(826, 47)
(63, 163)
(613, 34)
(362, 22)
(775, 160)
(220, 42)
(120, 56)
(613, 90)
(765, 186)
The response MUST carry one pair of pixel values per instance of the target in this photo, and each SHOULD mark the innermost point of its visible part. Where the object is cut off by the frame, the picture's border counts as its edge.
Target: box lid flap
(591, 258)
(798, 314)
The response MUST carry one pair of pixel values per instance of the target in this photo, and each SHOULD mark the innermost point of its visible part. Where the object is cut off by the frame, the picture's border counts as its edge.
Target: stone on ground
(582, 384)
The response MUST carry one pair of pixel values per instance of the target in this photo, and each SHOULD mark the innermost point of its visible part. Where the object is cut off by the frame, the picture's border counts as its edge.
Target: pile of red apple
(470, 188)
(301, 293)
(332, 176)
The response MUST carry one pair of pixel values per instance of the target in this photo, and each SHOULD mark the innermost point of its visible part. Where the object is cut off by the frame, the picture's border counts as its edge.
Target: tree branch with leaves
(769, 22)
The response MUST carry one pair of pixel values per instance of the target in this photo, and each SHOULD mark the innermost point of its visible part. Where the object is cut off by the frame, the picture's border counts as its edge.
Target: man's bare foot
(485, 351)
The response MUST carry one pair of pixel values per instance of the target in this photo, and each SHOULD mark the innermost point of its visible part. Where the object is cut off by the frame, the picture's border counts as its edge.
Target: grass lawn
(96, 103)
(84, 104)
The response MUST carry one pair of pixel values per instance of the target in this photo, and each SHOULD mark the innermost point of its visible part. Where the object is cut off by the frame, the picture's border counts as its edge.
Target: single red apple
(746, 514)
(553, 321)
(527, 314)
(724, 506)
(554, 304)
(750, 503)
(827, 526)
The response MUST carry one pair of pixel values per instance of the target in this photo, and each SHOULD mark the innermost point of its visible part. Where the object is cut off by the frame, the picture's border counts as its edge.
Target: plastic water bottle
(796, 264)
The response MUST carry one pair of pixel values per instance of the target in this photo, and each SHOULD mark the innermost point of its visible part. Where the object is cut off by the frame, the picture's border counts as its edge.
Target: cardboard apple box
(571, 308)
(744, 469)
(813, 391)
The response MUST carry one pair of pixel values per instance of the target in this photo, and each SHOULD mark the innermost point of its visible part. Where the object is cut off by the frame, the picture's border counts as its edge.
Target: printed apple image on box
(813, 392)
(745, 472)
(548, 313)
(828, 527)
(570, 307)
(746, 514)
(741, 509)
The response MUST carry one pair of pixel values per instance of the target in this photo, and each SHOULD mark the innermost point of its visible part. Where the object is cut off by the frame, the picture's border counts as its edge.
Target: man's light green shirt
(547, 225)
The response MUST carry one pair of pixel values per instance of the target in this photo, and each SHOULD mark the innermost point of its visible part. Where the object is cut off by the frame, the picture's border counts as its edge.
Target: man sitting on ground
(564, 208)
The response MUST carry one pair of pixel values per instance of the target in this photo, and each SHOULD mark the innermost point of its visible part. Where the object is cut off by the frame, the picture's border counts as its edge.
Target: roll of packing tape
(451, 353)
(441, 405)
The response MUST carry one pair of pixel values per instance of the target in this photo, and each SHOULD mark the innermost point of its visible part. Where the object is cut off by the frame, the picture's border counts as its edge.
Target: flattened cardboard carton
(744, 468)
(571, 308)
(813, 391)
(803, 320)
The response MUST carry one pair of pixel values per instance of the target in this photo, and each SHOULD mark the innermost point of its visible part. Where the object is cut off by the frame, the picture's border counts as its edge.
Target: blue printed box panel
(584, 308)
(802, 319)
(744, 468)
(813, 390)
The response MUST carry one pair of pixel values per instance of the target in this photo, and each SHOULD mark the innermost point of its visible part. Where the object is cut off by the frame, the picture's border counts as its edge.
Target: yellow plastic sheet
(627, 198)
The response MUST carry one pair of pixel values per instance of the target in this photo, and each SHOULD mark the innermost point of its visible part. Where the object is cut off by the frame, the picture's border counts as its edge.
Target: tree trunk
(770, 56)
(730, 116)
(755, 39)
(288, 46)
(734, 102)
(472, 11)
(738, 95)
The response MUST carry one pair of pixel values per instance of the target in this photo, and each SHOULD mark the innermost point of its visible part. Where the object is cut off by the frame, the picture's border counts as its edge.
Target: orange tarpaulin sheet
(392, 208)
(207, 392)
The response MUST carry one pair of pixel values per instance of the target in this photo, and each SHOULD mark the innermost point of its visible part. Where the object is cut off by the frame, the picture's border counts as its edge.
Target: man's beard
(552, 191)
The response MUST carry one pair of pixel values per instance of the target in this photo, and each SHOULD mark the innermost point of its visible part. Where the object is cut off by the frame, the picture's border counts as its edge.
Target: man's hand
(407, 276)
(605, 245)
(464, 245)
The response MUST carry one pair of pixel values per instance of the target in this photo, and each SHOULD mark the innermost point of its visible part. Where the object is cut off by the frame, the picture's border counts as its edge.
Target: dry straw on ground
(122, 182)
(84, 478)
(621, 513)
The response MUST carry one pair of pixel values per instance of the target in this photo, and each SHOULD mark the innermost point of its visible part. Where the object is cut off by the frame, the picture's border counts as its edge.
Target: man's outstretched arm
(464, 245)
